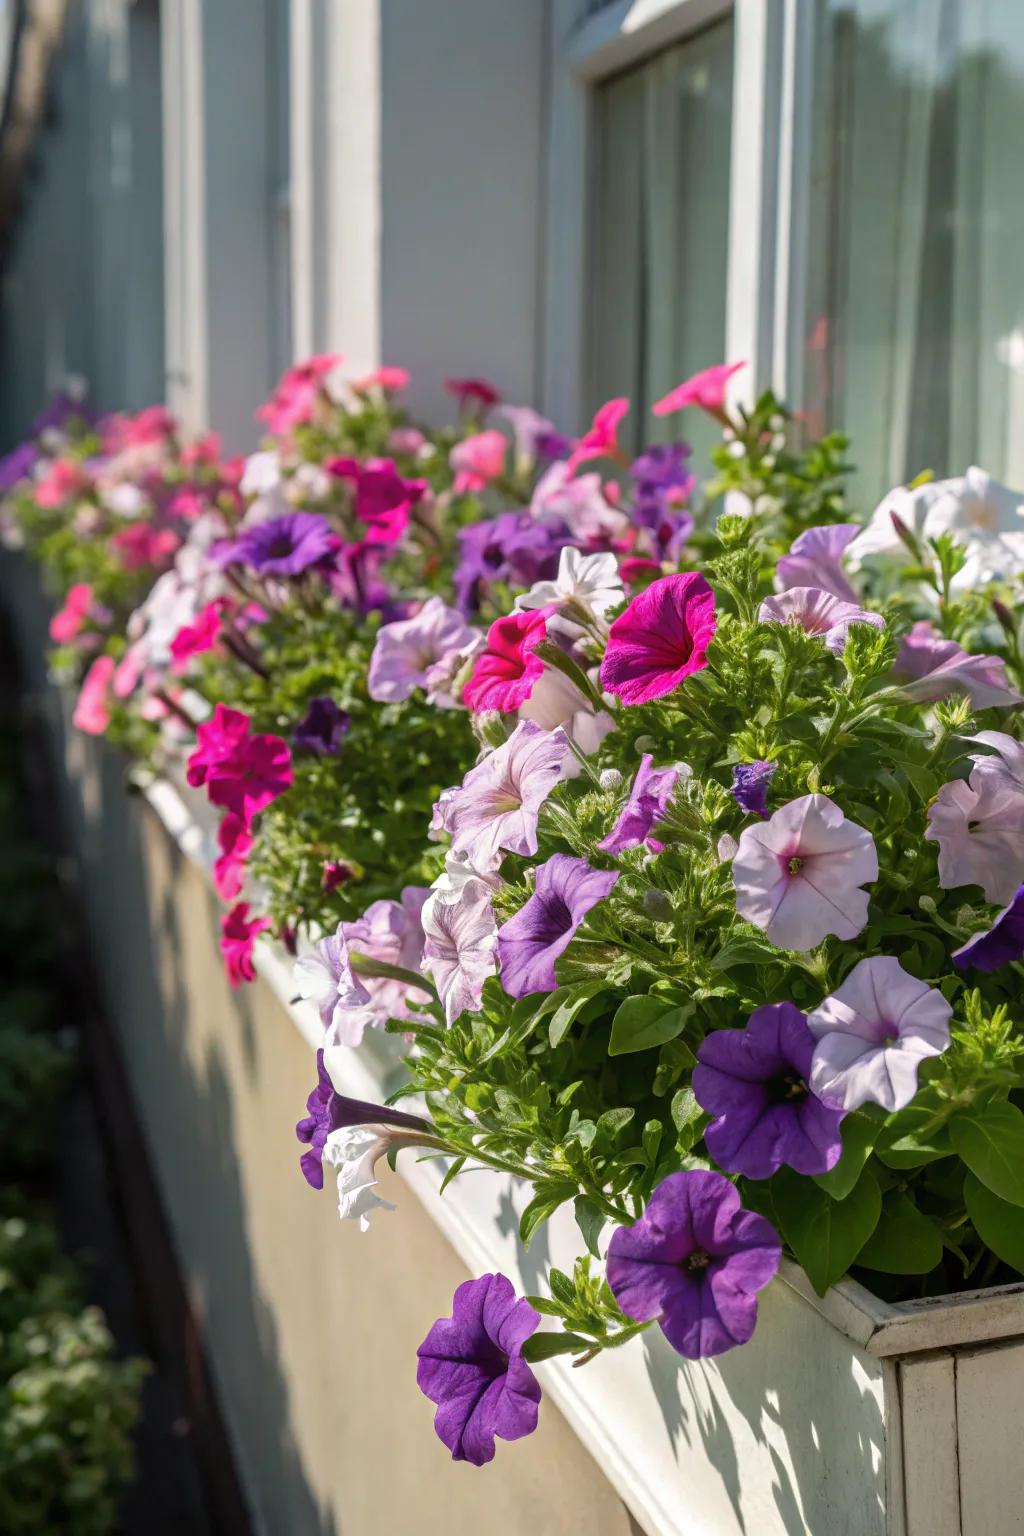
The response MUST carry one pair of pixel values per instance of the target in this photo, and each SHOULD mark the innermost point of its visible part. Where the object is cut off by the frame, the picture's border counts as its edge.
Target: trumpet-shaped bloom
(408, 653)
(282, 546)
(321, 729)
(873, 1033)
(1001, 944)
(798, 876)
(197, 638)
(460, 938)
(392, 932)
(754, 1081)
(74, 615)
(601, 439)
(645, 806)
(473, 394)
(325, 978)
(706, 389)
(235, 842)
(985, 517)
(242, 773)
(979, 825)
(660, 639)
(750, 783)
(507, 668)
(695, 1262)
(818, 613)
(579, 502)
(498, 803)
(930, 667)
(513, 548)
(92, 709)
(815, 559)
(477, 461)
(531, 941)
(471, 1365)
(555, 701)
(294, 400)
(591, 582)
(238, 934)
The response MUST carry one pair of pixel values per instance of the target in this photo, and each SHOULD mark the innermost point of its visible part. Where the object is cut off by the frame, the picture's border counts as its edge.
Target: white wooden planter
(843, 1417)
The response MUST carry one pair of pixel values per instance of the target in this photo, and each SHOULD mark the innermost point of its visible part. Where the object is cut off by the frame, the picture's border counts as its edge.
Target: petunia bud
(610, 778)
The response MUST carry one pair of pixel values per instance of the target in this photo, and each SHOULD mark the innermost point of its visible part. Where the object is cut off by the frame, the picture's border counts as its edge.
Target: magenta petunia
(645, 806)
(601, 440)
(74, 615)
(238, 934)
(694, 1262)
(706, 389)
(471, 1365)
(92, 709)
(242, 773)
(507, 668)
(235, 842)
(532, 940)
(660, 639)
(473, 394)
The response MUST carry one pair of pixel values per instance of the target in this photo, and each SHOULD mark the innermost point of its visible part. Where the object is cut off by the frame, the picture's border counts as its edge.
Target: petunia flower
(473, 394)
(601, 439)
(873, 1033)
(513, 548)
(72, 618)
(815, 559)
(242, 773)
(62, 482)
(238, 934)
(325, 978)
(294, 400)
(930, 667)
(556, 702)
(694, 1262)
(531, 433)
(660, 639)
(580, 503)
(282, 546)
(507, 668)
(706, 389)
(818, 613)
(390, 380)
(750, 783)
(197, 638)
(798, 876)
(590, 582)
(1000, 944)
(471, 1365)
(497, 805)
(92, 708)
(235, 841)
(476, 461)
(391, 932)
(408, 653)
(754, 1082)
(140, 545)
(645, 806)
(460, 938)
(979, 825)
(322, 727)
(530, 942)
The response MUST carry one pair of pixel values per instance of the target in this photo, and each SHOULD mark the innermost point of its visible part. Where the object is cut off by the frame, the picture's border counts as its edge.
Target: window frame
(769, 179)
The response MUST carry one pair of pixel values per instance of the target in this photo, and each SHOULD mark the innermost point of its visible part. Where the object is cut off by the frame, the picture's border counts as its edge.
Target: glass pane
(662, 226)
(915, 336)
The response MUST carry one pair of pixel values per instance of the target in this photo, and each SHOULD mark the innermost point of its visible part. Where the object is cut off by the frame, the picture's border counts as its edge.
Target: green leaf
(825, 1234)
(745, 951)
(562, 1288)
(544, 1346)
(907, 1140)
(573, 1001)
(591, 1221)
(550, 1195)
(999, 1224)
(651, 1140)
(613, 1121)
(641, 1023)
(453, 1172)
(991, 1142)
(858, 1133)
(905, 1242)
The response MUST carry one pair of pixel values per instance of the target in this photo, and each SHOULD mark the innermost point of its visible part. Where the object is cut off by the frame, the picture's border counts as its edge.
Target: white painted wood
(930, 1461)
(990, 1414)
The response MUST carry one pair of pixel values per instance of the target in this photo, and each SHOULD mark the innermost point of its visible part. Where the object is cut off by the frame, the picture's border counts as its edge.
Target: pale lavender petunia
(408, 653)
(999, 945)
(555, 701)
(694, 1262)
(817, 612)
(579, 502)
(815, 559)
(873, 1034)
(471, 1365)
(798, 876)
(325, 977)
(460, 938)
(391, 932)
(496, 807)
(645, 806)
(930, 667)
(532, 940)
(979, 824)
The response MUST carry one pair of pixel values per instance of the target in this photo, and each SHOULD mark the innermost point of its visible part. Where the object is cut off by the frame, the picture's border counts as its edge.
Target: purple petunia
(282, 546)
(1000, 944)
(471, 1365)
(329, 1111)
(321, 729)
(531, 941)
(695, 1262)
(514, 548)
(750, 783)
(663, 482)
(815, 559)
(645, 806)
(754, 1082)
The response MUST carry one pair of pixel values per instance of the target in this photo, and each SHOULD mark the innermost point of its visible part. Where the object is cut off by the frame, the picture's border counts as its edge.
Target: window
(661, 228)
(915, 333)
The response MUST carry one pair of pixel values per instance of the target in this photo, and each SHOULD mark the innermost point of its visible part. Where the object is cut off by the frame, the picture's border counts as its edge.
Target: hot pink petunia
(294, 400)
(239, 933)
(706, 389)
(473, 394)
(505, 672)
(140, 544)
(477, 461)
(92, 711)
(798, 875)
(71, 619)
(387, 379)
(930, 667)
(601, 440)
(818, 613)
(242, 773)
(193, 639)
(235, 842)
(660, 639)
(63, 481)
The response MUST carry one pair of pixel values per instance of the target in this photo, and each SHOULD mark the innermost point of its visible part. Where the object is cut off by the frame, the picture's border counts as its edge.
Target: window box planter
(844, 1416)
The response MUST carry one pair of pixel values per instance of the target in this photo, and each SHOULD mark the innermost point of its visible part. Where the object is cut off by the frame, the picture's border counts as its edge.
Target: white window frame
(769, 179)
